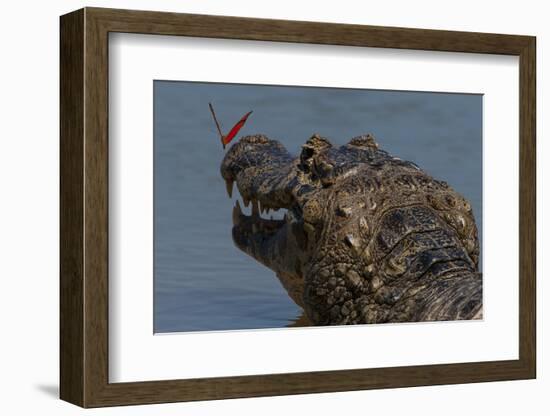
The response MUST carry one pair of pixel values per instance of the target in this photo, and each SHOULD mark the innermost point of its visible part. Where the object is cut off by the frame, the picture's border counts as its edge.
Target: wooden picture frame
(84, 207)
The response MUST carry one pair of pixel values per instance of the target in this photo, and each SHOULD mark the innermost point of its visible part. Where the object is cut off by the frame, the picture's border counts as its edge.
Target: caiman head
(365, 238)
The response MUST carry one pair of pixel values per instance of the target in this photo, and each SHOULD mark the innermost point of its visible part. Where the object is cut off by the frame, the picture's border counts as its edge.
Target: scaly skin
(368, 238)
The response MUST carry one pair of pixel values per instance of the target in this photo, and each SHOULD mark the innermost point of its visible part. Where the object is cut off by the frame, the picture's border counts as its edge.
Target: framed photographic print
(255, 207)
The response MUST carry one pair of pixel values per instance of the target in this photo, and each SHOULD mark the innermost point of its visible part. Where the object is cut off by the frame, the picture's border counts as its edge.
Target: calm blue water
(203, 282)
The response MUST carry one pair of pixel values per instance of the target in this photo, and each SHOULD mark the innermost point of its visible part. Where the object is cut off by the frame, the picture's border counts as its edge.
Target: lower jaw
(270, 249)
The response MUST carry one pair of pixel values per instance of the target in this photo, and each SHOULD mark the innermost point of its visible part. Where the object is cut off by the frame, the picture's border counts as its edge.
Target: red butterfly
(233, 132)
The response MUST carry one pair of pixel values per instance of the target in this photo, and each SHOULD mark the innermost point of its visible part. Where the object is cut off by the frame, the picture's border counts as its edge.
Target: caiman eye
(306, 158)
(315, 145)
(324, 168)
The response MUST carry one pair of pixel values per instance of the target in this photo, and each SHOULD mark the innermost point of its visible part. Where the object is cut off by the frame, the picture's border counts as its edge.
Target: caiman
(366, 237)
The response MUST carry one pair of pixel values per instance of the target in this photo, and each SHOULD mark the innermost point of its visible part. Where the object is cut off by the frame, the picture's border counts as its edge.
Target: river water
(201, 280)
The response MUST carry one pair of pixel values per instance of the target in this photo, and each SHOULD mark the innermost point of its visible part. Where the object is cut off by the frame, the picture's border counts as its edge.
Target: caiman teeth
(237, 212)
(255, 208)
(229, 187)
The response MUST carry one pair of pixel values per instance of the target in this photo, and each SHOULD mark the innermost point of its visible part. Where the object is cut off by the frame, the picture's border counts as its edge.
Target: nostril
(255, 139)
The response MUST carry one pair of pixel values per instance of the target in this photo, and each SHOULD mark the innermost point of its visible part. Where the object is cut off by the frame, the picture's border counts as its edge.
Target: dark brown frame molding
(84, 209)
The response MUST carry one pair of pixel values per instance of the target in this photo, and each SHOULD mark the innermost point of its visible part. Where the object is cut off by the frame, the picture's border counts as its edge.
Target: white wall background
(29, 85)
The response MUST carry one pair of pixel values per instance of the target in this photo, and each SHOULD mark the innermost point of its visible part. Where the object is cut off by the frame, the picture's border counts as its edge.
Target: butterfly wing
(233, 132)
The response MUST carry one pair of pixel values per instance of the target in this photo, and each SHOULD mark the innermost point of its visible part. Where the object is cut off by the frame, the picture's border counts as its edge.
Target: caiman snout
(266, 178)
(253, 154)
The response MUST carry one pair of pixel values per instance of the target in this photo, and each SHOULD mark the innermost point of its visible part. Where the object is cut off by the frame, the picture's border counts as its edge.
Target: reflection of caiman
(367, 237)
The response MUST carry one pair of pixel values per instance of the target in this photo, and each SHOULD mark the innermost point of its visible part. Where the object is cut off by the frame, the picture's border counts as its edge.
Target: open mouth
(254, 225)
(262, 222)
